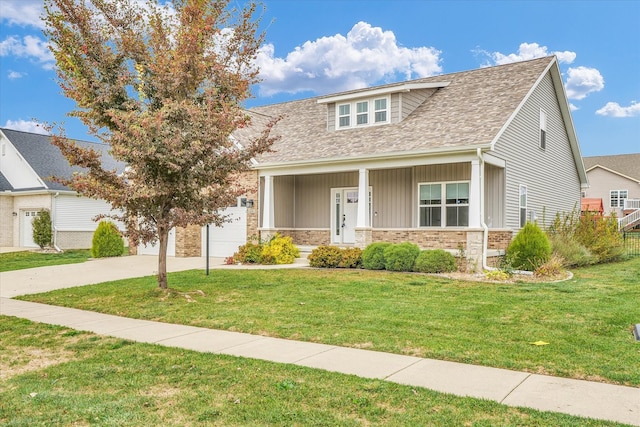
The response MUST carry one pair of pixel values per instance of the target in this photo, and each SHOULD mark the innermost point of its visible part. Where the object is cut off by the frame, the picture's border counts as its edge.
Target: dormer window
(363, 113)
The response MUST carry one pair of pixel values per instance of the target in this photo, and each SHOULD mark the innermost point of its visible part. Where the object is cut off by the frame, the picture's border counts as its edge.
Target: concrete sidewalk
(575, 397)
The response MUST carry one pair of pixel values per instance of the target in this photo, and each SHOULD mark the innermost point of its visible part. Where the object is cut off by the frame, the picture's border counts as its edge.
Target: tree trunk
(163, 237)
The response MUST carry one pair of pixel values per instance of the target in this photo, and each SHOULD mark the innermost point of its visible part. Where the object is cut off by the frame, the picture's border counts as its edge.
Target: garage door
(224, 241)
(154, 249)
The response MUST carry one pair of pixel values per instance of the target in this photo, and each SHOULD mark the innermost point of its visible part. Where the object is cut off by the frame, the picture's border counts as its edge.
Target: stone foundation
(312, 237)
(499, 239)
(425, 239)
(364, 237)
(189, 241)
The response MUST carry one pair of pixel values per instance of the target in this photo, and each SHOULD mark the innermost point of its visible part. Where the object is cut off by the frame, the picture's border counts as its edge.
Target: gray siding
(550, 175)
(284, 197)
(331, 117)
(412, 100)
(313, 197)
(444, 172)
(494, 188)
(392, 198)
(395, 108)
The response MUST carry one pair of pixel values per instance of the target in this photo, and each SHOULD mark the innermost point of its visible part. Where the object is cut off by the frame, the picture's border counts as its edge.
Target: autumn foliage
(163, 85)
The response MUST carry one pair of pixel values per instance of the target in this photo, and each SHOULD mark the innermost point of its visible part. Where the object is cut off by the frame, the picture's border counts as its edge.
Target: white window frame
(522, 192)
(619, 198)
(543, 130)
(443, 205)
(359, 117)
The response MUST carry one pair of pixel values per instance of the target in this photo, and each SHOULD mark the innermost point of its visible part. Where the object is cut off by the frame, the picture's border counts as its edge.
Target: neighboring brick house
(456, 161)
(616, 180)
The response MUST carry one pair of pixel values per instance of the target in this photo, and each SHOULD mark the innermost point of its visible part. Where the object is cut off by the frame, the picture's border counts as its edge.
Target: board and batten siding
(392, 198)
(284, 197)
(551, 174)
(494, 188)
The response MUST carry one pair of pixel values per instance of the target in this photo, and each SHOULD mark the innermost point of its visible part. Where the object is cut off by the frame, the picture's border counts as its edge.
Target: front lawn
(52, 376)
(587, 321)
(29, 259)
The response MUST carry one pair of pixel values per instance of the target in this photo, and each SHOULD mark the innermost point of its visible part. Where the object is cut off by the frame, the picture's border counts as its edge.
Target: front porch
(436, 203)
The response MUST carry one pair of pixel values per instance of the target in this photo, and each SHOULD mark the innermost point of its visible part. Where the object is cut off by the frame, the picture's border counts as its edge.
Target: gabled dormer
(376, 106)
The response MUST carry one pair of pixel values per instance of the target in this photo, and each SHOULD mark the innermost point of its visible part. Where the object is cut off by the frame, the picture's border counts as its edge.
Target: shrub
(529, 249)
(601, 236)
(570, 251)
(42, 229)
(107, 241)
(249, 253)
(497, 275)
(279, 250)
(401, 256)
(351, 258)
(551, 268)
(435, 261)
(373, 256)
(325, 257)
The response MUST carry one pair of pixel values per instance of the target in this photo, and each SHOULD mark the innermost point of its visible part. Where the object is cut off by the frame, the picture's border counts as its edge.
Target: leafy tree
(163, 85)
(42, 234)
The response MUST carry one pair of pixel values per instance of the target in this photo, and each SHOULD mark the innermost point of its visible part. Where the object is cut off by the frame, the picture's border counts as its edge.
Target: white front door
(345, 215)
(26, 228)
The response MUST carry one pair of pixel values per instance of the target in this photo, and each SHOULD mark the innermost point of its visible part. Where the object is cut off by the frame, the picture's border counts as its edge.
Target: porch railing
(633, 217)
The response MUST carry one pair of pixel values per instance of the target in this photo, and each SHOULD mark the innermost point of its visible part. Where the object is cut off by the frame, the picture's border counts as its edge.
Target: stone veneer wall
(499, 239)
(74, 239)
(6, 221)
(189, 241)
(315, 237)
(425, 239)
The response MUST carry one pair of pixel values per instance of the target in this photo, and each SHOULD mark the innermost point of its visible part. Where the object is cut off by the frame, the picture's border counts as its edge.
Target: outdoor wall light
(15, 214)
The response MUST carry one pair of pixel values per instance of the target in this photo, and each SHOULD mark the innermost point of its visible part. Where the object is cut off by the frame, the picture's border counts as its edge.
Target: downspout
(485, 228)
(53, 220)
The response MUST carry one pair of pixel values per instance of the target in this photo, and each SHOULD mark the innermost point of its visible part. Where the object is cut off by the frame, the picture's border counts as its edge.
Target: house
(28, 161)
(616, 179)
(458, 161)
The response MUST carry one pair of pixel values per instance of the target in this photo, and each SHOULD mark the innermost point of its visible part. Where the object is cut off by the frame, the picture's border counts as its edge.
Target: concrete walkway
(575, 397)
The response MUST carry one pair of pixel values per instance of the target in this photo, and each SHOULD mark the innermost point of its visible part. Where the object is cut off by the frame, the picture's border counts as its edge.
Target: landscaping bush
(42, 234)
(107, 241)
(572, 253)
(601, 236)
(325, 257)
(435, 261)
(529, 249)
(279, 250)
(249, 253)
(401, 256)
(351, 258)
(373, 256)
(552, 268)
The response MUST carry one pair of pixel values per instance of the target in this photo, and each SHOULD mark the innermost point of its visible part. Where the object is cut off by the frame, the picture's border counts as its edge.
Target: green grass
(53, 376)
(28, 259)
(587, 320)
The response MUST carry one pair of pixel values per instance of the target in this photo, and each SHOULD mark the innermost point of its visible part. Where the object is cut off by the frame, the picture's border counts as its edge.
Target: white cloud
(26, 126)
(573, 107)
(22, 12)
(613, 109)
(331, 64)
(13, 75)
(582, 81)
(527, 51)
(29, 47)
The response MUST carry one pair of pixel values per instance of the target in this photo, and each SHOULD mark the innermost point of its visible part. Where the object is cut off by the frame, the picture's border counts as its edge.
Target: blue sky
(319, 47)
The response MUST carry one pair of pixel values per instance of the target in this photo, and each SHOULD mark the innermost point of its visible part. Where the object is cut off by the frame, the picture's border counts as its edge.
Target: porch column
(363, 199)
(267, 208)
(475, 192)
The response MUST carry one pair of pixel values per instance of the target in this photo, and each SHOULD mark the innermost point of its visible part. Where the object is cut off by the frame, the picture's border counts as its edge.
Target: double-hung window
(344, 115)
(452, 210)
(523, 205)
(543, 129)
(617, 198)
(364, 112)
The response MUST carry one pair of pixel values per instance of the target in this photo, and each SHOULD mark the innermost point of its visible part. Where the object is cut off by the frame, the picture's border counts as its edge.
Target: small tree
(107, 241)
(162, 83)
(42, 233)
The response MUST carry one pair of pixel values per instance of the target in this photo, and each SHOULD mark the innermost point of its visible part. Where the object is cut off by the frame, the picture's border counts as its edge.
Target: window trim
(354, 116)
(619, 200)
(443, 203)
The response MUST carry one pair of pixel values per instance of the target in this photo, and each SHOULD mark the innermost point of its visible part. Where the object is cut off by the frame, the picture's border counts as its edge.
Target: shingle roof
(47, 160)
(469, 112)
(624, 164)
(4, 184)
